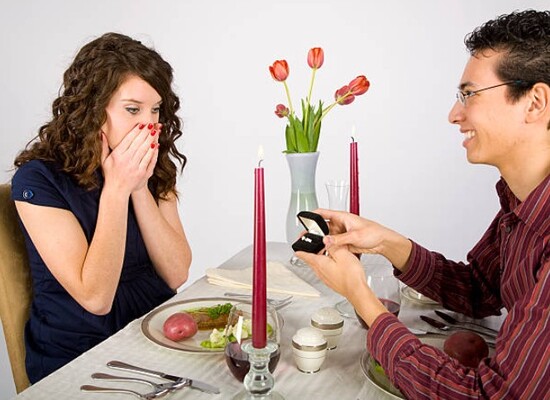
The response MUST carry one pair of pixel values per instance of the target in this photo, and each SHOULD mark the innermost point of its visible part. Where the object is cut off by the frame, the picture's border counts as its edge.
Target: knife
(453, 321)
(192, 383)
(440, 325)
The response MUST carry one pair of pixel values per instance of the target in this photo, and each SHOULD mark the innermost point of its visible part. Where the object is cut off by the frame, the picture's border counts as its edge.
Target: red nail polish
(153, 145)
(150, 126)
(153, 133)
(141, 126)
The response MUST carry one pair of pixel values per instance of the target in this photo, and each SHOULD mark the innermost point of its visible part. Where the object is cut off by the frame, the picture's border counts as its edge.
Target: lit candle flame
(260, 154)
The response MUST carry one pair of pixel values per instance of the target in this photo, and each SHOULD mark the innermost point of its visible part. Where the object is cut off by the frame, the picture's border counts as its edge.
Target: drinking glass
(239, 347)
(337, 191)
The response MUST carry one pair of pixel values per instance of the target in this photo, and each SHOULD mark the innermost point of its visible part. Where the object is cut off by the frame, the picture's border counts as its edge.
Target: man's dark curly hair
(72, 138)
(524, 38)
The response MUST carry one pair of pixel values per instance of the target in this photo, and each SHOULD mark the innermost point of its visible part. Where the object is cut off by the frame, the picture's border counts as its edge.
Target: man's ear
(538, 107)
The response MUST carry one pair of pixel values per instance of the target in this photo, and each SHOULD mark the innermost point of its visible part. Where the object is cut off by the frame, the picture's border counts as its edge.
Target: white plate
(412, 295)
(151, 326)
(380, 380)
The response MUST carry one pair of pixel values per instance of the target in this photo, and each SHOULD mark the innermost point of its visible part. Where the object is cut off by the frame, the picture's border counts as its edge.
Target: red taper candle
(353, 178)
(259, 280)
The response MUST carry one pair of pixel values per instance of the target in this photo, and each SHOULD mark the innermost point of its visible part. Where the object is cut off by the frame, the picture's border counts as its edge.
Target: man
(503, 110)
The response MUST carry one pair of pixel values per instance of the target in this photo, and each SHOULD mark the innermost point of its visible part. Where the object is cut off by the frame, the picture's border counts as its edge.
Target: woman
(96, 196)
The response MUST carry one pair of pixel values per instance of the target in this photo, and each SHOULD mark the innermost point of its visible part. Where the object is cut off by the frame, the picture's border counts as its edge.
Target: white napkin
(279, 280)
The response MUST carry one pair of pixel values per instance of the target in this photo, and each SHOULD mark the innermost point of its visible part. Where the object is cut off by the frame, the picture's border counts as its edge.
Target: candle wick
(352, 139)
(260, 162)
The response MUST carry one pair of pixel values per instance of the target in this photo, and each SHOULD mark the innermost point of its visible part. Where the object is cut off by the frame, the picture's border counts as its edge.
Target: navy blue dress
(59, 329)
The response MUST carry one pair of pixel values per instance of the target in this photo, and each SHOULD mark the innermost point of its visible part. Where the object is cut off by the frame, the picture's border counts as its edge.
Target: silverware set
(275, 303)
(158, 389)
(454, 324)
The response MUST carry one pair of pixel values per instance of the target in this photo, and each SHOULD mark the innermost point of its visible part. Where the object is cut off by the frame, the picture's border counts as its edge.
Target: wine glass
(238, 332)
(382, 282)
(386, 288)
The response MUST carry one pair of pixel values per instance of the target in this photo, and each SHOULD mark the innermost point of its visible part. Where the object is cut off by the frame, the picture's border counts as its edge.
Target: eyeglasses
(461, 96)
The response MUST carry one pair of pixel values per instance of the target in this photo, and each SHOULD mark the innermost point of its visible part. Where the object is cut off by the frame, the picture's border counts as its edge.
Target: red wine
(237, 360)
(391, 305)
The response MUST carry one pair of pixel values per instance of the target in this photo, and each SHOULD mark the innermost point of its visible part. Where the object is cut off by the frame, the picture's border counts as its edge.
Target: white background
(414, 175)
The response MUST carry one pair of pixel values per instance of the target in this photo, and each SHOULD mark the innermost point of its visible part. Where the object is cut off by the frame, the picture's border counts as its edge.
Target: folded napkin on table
(279, 280)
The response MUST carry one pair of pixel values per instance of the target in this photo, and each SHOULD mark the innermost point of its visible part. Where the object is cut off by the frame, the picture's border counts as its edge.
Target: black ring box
(312, 240)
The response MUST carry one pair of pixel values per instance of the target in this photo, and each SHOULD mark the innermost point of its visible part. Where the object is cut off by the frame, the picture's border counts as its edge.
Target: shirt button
(28, 194)
(508, 229)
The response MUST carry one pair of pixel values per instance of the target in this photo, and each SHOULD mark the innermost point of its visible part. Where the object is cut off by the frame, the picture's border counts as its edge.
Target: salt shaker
(309, 348)
(330, 323)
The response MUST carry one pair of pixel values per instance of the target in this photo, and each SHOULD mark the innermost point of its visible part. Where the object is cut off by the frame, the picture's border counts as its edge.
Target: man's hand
(361, 235)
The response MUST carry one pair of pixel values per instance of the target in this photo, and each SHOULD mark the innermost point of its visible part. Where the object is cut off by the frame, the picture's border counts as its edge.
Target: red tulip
(344, 96)
(359, 85)
(315, 57)
(279, 70)
(281, 111)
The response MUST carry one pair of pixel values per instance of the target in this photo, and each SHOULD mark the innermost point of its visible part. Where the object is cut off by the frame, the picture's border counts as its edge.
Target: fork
(146, 396)
(157, 387)
(275, 303)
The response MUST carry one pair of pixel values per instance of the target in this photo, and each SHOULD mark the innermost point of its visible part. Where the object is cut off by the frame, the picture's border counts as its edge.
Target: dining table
(341, 376)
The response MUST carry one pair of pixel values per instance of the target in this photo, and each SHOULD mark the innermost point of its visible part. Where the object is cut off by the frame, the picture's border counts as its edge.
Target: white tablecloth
(340, 377)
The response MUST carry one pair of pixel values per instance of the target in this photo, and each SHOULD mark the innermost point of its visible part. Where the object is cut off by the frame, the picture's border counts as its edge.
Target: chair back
(15, 287)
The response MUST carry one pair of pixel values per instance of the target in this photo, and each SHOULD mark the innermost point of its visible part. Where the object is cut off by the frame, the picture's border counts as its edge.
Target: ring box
(317, 228)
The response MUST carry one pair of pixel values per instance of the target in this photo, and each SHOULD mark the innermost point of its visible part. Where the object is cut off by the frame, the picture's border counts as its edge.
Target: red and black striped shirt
(510, 268)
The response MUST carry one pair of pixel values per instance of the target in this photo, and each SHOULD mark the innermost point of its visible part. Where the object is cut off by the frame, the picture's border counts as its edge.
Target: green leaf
(301, 140)
(310, 129)
(290, 137)
(316, 134)
(214, 311)
(305, 124)
(316, 130)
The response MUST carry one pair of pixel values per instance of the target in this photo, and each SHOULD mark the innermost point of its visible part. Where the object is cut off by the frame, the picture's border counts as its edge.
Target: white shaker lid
(309, 339)
(327, 318)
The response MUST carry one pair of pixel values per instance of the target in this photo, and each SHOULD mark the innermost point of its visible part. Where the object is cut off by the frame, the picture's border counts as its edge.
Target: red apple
(179, 326)
(467, 347)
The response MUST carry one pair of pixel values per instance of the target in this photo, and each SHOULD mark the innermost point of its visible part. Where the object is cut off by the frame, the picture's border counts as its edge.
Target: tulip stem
(288, 97)
(306, 116)
(311, 86)
(326, 110)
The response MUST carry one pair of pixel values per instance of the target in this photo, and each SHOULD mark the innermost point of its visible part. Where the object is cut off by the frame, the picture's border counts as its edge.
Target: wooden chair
(15, 287)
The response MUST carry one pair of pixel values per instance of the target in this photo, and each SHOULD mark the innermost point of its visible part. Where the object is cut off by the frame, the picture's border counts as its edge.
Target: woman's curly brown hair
(71, 139)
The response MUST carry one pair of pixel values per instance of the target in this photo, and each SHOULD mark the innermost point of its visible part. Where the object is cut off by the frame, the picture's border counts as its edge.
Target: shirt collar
(534, 210)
